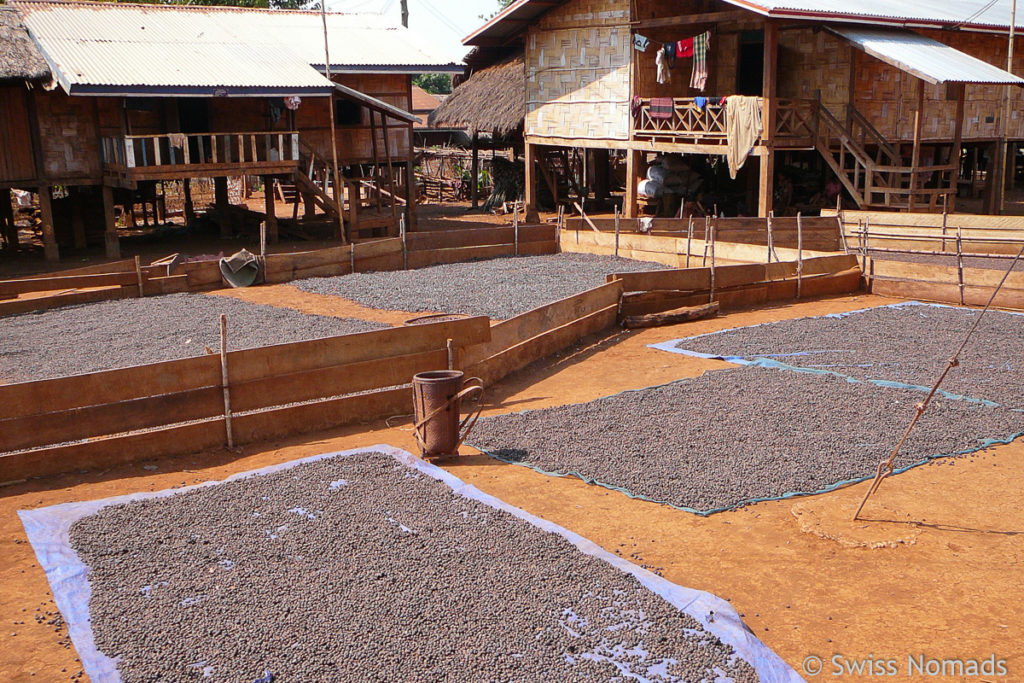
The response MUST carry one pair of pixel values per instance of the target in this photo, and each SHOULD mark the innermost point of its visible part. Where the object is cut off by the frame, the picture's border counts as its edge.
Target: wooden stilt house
(142, 94)
(885, 96)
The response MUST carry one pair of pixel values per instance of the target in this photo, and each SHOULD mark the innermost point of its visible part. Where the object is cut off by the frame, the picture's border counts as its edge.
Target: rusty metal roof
(966, 14)
(925, 58)
(113, 49)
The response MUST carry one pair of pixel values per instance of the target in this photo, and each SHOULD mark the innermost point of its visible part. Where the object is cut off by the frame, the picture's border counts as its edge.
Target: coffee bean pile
(126, 332)
(909, 344)
(362, 569)
(731, 436)
(500, 288)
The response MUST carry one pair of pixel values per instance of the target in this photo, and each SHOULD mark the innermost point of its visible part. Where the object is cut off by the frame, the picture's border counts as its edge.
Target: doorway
(750, 76)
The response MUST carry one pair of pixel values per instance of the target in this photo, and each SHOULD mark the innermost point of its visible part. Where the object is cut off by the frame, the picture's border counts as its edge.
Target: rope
(885, 468)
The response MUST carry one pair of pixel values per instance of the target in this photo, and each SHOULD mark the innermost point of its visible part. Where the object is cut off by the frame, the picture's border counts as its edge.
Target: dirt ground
(933, 570)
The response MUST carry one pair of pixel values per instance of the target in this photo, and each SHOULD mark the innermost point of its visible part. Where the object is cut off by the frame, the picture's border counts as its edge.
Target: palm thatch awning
(20, 59)
(492, 100)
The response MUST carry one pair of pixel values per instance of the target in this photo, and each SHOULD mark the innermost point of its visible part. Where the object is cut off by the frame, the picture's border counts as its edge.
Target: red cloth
(684, 48)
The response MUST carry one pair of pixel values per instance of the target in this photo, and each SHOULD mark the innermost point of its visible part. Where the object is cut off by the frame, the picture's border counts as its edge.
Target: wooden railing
(795, 122)
(139, 154)
(885, 180)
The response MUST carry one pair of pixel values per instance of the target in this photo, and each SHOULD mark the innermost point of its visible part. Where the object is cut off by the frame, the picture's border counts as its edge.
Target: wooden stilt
(391, 175)
(51, 250)
(225, 383)
(138, 276)
(530, 189)
(689, 240)
(270, 207)
(190, 210)
(915, 161)
(221, 203)
(376, 160)
(77, 217)
(617, 220)
(475, 172)
(111, 240)
(7, 225)
(631, 204)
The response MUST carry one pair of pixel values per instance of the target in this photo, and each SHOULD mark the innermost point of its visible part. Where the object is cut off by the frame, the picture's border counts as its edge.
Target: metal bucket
(437, 402)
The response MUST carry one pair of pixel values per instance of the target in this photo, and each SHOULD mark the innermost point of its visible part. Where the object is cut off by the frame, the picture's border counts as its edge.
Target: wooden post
(224, 380)
(707, 242)
(77, 218)
(410, 190)
(376, 159)
(617, 220)
(473, 188)
(52, 251)
(771, 216)
(689, 241)
(799, 254)
(405, 247)
(530, 189)
(221, 203)
(138, 276)
(111, 240)
(391, 173)
(190, 210)
(7, 225)
(352, 258)
(263, 251)
(515, 230)
(960, 262)
(915, 160)
(767, 165)
(270, 206)
(958, 134)
(450, 345)
(631, 204)
(711, 296)
(864, 245)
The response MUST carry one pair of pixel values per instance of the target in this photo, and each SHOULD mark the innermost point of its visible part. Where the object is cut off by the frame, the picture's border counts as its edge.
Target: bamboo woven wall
(812, 60)
(68, 135)
(578, 71)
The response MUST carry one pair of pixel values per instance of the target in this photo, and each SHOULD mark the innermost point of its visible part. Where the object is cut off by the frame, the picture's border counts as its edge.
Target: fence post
(617, 230)
(224, 379)
(711, 296)
(352, 257)
(405, 251)
(771, 215)
(138, 275)
(689, 240)
(515, 231)
(799, 254)
(960, 262)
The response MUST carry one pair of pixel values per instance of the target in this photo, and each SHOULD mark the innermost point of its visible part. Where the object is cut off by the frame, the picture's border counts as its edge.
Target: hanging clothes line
(696, 47)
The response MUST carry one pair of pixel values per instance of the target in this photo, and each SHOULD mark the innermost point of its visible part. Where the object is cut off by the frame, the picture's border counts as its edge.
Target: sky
(443, 23)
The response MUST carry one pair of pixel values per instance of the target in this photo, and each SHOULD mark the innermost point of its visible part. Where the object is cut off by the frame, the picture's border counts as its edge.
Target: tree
(436, 84)
(502, 5)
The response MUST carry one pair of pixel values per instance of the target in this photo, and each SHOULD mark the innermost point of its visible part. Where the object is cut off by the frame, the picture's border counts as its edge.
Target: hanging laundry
(701, 44)
(684, 47)
(743, 127)
(635, 105)
(640, 42)
(670, 54)
(664, 75)
(662, 108)
(700, 102)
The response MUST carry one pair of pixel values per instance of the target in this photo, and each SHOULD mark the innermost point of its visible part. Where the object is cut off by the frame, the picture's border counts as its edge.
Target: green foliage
(503, 4)
(436, 84)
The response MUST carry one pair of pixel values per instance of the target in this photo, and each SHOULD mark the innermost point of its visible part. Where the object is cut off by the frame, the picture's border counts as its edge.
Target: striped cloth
(701, 44)
(662, 108)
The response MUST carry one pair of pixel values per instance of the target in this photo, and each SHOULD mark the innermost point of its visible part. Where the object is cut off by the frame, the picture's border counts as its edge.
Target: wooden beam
(190, 210)
(687, 19)
(220, 199)
(50, 247)
(530, 161)
(77, 217)
(7, 226)
(112, 242)
(631, 204)
(767, 168)
(475, 172)
(958, 133)
(915, 159)
(672, 317)
(270, 207)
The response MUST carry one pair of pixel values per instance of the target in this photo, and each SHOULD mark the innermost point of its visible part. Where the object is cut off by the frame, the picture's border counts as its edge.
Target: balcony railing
(685, 122)
(167, 154)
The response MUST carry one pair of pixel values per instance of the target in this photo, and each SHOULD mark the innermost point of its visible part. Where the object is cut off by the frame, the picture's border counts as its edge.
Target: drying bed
(371, 566)
(731, 437)
(499, 288)
(908, 344)
(949, 260)
(127, 332)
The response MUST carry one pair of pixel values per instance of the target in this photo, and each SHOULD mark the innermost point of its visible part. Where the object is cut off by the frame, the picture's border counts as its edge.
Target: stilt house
(895, 99)
(147, 93)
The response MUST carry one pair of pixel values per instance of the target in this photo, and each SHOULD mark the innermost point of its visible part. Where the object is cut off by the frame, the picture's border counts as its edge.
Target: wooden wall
(69, 138)
(16, 159)
(578, 71)
(812, 60)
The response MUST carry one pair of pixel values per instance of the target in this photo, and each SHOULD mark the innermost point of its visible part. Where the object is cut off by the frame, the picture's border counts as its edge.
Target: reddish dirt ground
(933, 570)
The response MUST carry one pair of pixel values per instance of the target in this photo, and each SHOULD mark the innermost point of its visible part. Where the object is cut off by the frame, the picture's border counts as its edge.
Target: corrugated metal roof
(108, 48)
(981, 14)
(976, 14)
(925, 58)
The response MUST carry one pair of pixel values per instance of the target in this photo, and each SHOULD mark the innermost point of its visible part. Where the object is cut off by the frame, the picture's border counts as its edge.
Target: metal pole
(334, 135)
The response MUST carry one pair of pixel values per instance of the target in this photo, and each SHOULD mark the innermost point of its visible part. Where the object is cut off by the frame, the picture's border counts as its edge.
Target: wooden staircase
(872, 170)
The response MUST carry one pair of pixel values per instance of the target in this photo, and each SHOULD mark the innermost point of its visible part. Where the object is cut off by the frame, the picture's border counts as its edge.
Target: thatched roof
(20, 59)
(491, 100)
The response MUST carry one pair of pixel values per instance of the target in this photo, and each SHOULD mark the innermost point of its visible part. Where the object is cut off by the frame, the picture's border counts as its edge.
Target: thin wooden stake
(616, 230)
(689, 241)
(960, 262)
(799, 254)
(515, 230)
(405, 248)
(224, 379)
(352, 258)
(711, 296)
(707, 232)
(263, 248)
(771, 214)
(451, 354)
(138, 275)
(864, 228)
